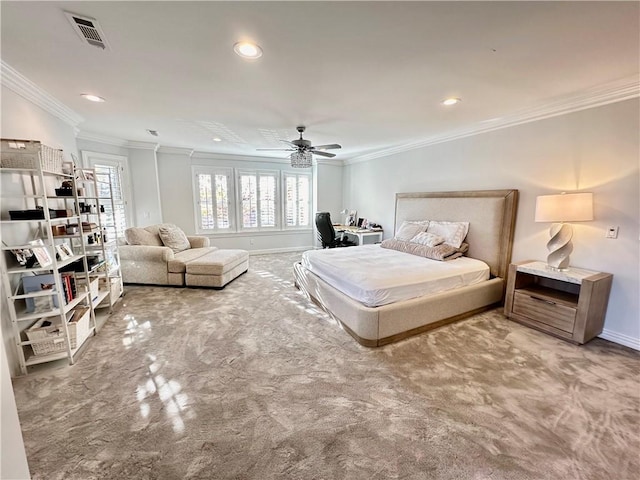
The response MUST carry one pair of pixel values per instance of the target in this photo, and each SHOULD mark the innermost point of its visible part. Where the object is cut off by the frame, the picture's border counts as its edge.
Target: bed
(373, 322)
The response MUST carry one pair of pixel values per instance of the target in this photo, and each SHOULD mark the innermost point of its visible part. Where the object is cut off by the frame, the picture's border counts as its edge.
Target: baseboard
(625, 340)
(280, 250)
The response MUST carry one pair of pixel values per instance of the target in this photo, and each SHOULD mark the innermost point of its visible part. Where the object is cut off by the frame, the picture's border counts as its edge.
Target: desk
(363, 235)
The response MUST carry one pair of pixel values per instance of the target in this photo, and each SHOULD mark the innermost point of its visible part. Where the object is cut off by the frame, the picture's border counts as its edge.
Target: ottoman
(217, 268)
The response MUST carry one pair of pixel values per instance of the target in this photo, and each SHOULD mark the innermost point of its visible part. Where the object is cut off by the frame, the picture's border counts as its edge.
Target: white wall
(595, 150)
(328, 189)
(13, 464)
(143, 168)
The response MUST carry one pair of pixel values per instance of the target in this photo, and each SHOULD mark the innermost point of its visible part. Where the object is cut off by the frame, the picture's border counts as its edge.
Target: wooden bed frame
(491, 214)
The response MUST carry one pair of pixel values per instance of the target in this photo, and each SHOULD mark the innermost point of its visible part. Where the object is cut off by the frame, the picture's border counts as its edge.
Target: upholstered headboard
(491, 215)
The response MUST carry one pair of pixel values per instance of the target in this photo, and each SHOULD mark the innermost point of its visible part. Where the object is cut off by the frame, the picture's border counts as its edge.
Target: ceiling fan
(303, 150)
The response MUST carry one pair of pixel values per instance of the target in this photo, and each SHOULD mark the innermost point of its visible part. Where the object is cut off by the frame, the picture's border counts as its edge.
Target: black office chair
(327, 234)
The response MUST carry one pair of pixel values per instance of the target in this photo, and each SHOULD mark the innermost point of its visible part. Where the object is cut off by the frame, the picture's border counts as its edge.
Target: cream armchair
(145, 259)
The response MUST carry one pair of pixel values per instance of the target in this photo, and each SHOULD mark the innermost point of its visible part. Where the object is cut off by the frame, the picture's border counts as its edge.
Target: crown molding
(175, 150)
(14, 80)
(143, 145)
(617, 91)
(96, 137)
(330, 161)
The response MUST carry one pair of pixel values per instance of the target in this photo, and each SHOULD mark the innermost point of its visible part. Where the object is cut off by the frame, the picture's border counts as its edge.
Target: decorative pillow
(174, 238)
(427, 239)
(410, 229)
(141, 236)
(454, 233)
(441, 252)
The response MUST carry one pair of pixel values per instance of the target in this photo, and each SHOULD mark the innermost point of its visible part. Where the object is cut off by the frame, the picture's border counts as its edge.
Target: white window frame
(213, 171)
(235, 200)
(90, 159)
(296, 175)
(278, 199)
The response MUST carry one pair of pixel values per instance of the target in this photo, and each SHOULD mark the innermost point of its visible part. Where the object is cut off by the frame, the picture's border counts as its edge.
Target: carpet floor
(255, 382)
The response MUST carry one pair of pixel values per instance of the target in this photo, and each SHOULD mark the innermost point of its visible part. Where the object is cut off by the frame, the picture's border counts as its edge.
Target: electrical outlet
(251, 241)
(612, 232)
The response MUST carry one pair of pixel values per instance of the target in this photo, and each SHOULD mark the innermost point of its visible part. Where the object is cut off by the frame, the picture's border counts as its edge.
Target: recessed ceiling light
(248, 50)
(217, 139)
(451, 101)
(92, 98)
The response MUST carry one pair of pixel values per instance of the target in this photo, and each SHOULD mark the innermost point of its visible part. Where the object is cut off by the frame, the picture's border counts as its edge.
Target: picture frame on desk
(352, 218)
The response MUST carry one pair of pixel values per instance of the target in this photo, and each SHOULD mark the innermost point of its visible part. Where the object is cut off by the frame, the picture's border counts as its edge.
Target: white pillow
(410, 229)
(454, 233)
(428, 239)
(174, 238)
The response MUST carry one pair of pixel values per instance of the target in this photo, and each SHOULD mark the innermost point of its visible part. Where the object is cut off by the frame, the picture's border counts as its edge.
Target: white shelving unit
(97, 207)
(54, 321)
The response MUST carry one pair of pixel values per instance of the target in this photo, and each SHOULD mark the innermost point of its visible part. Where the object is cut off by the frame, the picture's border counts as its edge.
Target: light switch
(612, 232)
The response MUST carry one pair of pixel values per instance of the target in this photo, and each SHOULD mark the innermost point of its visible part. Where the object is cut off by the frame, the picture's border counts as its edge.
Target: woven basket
(27, 153)
(51, 339)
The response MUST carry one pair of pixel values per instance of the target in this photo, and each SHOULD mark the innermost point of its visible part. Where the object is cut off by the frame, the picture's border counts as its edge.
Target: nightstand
(569, 304)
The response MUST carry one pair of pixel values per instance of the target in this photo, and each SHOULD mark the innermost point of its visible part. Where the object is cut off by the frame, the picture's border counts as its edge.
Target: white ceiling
(367, 75)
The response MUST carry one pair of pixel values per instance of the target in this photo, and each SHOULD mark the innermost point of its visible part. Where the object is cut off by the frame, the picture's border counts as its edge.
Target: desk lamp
(566, 207)
(344, 212)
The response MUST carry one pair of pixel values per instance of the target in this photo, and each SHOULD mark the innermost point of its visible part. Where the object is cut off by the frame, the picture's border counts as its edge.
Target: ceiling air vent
(88, 29)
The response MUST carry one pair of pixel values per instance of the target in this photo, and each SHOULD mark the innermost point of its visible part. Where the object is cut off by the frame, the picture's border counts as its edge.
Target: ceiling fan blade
(327, 147)
(324, 154)
(290, 143)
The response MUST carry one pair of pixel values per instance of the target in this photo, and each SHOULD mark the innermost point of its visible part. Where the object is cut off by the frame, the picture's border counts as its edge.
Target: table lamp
(566, 207)
(344, 212)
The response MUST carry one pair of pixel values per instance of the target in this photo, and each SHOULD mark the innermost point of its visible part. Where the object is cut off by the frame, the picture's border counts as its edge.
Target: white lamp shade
(567, 207)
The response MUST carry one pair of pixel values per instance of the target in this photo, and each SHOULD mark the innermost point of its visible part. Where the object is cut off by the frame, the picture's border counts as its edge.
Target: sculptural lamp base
(559, 246)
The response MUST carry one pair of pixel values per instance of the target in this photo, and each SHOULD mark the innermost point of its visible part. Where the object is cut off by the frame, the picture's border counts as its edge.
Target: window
(213, 193)
(239, 200)
(110, 186)
(114, 167)
(258, 199)
(297, 205)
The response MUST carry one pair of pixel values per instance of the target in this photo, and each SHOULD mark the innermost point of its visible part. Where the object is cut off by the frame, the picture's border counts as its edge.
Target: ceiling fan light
(301, 159)
(248, 50)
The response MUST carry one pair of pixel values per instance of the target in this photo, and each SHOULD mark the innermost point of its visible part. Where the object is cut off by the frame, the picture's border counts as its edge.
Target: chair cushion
(178, 263)
(174, 238)
(218, 262)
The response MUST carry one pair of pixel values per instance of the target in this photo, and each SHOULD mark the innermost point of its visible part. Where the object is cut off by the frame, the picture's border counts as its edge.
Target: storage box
(27, 153)
(53, 335)
(81, 286)
(58, 230)
(33, 214)
(114, 286)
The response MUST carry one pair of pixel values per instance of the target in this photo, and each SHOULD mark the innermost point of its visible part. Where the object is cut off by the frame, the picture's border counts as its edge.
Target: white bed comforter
(378, 276)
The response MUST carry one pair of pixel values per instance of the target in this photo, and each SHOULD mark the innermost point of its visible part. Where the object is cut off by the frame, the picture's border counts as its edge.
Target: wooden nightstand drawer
(544, 310)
